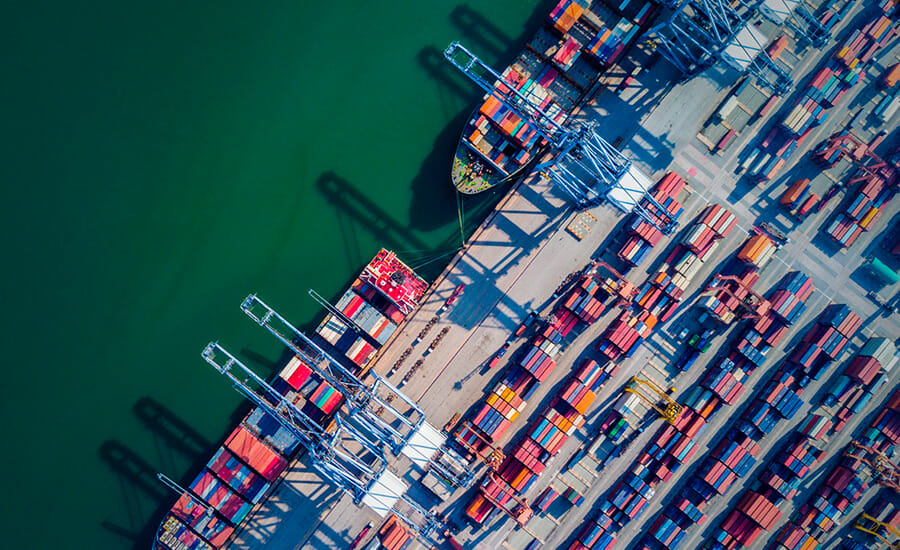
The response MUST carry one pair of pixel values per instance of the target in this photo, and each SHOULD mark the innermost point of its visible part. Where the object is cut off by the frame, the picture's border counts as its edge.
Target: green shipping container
(882, 272)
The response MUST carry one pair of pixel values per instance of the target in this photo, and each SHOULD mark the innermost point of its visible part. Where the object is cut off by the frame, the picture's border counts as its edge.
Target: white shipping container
(685, 263)
(694, 234)
(728, 107)
(331, 329)
(725, 223)
(891, 109)
(716, 217)
(691, 272)
(710, 251)
(762, 163)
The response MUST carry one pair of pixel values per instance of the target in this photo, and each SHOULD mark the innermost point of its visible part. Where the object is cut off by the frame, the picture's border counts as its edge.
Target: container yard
(712, 367)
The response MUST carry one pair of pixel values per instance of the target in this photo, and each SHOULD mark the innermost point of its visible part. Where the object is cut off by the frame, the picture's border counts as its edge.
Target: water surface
(162, 160)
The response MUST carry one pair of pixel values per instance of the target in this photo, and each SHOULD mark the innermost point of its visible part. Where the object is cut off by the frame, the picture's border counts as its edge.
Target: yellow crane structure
(868, 524)
(654, 396)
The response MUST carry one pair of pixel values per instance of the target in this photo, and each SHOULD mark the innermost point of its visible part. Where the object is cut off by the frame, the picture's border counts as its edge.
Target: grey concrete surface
(522, 253)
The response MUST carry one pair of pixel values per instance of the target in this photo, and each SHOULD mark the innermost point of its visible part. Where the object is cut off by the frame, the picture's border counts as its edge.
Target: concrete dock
(519, 257)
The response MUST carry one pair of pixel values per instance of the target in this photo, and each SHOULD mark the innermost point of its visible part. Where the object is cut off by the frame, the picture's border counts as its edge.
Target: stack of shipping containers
(843, 486)
(826, 88)
(643, 235)
(798, 198)
(675, 444)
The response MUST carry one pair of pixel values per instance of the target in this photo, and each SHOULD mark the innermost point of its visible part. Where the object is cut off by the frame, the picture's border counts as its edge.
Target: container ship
(369, 312)
(560, 66)
(258, 451)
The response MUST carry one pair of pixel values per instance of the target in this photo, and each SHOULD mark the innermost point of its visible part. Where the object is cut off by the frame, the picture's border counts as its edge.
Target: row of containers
(368, 313)
(840, 72)
(661, 294)
(534, 362)
(734, 455)
(558, 69)
(863, 208)
(728, 107)
(644, 235)
(780, 480)
(661, 297)
(758, 251)
(242, 470)
(888, 106)
(542, 440)
(394, 534)
(236, 478)
(844, 485)
(779, 401)
(509, 397)
(546, 435)
(675, 444)
(827, 15)
(601, 31)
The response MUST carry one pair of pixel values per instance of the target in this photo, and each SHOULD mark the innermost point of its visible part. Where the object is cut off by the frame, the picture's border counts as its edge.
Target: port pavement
(516, 260)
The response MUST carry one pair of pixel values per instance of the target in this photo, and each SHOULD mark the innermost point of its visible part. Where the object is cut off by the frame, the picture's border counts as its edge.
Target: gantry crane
(617, 285)
(174, 486)
(344, 455)
(754, 305)
(485, 451)
(698, 33)
(521, 512)
(582, 163)
(884, 471)
(800, 18)
(868, 524)
(869, 165)
(861, 154)
(403, 432)
(652, 394)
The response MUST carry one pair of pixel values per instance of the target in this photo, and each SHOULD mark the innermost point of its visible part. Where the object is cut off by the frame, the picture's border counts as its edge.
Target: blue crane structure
(343, 454)
(582, 163)
(372, 419)
(698, 33)
(403, 432)
(352, 451)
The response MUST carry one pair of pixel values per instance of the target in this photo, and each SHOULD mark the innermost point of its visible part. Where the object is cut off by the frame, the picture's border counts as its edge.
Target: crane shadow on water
(144, 498)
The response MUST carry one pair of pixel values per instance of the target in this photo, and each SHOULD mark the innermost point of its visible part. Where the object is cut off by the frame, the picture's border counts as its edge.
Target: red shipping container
(256, 454)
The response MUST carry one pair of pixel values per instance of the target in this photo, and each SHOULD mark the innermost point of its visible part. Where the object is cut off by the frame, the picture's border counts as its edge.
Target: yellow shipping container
(867, 219)
(492, 398)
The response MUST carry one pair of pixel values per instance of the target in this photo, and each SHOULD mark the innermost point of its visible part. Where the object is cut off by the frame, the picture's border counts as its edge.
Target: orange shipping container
(777, 47)
(892, 76)
(754, 248)
(585, 402)
(490, 106)
(793, 192)
(568, 17)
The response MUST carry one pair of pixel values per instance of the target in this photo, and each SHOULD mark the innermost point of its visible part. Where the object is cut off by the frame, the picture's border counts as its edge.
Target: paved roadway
(522, 254)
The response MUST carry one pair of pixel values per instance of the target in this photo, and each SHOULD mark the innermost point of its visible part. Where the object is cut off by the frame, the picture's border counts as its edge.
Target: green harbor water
(161, 160)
